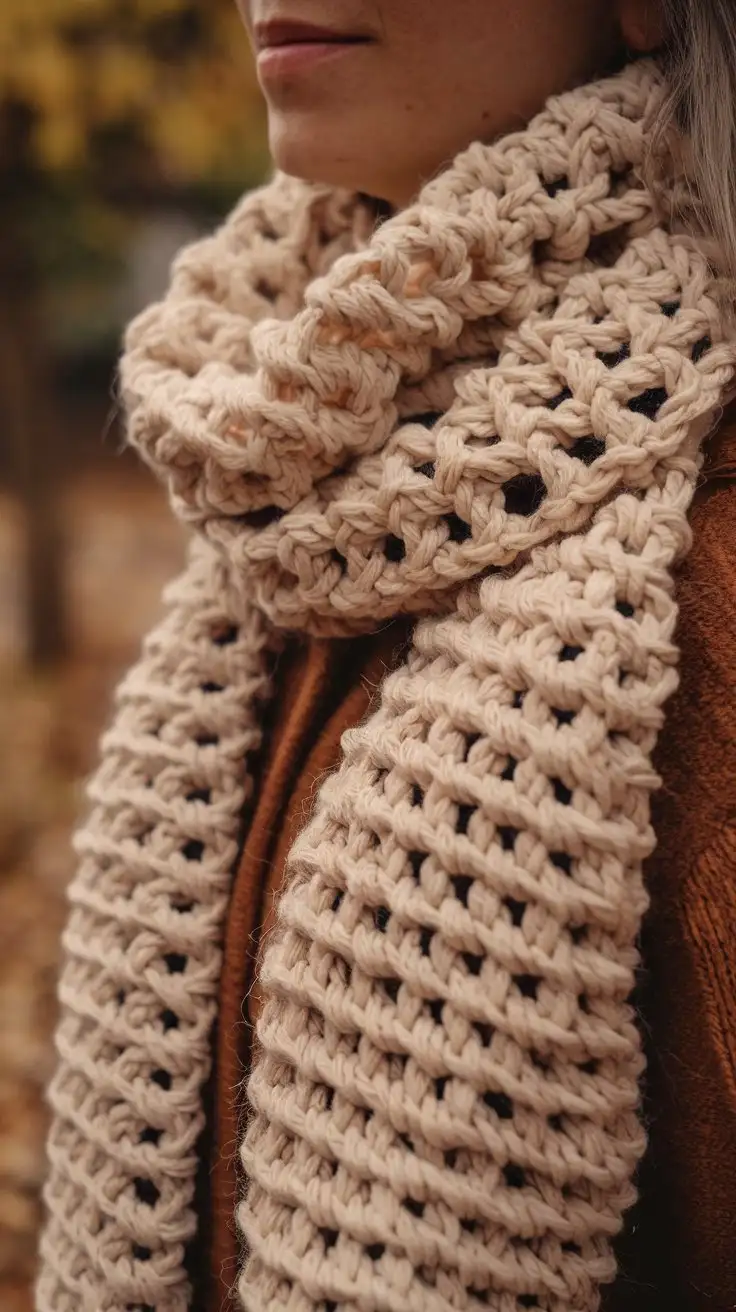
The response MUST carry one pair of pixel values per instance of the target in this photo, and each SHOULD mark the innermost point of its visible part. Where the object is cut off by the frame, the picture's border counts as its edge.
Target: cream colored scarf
(486, 412)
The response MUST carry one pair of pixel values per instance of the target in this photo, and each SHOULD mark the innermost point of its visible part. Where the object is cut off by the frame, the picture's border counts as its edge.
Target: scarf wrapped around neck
(485, 412)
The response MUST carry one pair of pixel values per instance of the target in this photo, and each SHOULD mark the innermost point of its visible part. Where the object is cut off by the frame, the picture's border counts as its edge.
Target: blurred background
(127, 127)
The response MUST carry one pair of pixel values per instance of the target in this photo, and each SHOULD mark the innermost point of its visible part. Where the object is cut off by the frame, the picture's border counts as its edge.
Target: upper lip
(287, 32)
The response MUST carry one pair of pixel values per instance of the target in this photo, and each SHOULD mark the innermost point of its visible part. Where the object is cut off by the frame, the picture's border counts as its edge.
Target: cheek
(507, 55)
(642, 23)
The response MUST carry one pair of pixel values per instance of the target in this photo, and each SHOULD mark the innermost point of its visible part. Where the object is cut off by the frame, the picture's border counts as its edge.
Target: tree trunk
(31, 429)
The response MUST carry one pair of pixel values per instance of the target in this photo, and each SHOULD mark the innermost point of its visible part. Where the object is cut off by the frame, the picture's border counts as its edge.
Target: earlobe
(642, 24)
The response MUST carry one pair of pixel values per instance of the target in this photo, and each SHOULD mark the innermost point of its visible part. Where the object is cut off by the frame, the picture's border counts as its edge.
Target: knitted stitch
(143, 950)
(489, 411)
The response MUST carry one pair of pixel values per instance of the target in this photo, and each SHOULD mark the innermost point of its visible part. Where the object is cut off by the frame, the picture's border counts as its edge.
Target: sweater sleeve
(682, 1235)
(445, 1108)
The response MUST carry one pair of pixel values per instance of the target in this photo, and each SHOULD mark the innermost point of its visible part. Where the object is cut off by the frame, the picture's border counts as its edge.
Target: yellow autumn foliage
(175, 73)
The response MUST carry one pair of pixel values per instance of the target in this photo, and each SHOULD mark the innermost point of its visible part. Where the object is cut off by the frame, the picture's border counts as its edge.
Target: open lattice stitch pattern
(479, 377)
(142, 945)
(446, 1106)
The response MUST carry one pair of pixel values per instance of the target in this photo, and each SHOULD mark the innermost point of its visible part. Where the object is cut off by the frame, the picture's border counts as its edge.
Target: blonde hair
(700, 58)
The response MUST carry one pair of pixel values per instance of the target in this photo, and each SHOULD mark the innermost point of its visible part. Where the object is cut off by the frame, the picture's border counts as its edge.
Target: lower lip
(278, 61)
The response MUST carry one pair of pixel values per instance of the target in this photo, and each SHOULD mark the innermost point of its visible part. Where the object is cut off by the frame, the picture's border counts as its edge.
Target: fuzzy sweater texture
(485, 413)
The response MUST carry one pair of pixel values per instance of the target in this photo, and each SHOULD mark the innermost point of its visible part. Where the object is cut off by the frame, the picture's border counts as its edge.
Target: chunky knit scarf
(486, 412)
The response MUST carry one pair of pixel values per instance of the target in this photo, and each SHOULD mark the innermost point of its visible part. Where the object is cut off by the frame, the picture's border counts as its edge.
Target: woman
(439, 448)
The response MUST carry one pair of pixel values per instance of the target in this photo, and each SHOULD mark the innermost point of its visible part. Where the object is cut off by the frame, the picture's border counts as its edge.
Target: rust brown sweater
(679, 1249)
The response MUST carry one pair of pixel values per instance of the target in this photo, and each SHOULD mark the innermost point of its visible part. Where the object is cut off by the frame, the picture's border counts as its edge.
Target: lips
(289, 50)
(277, 34)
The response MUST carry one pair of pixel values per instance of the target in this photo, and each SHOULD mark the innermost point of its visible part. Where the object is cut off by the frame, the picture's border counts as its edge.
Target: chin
(317, 153)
